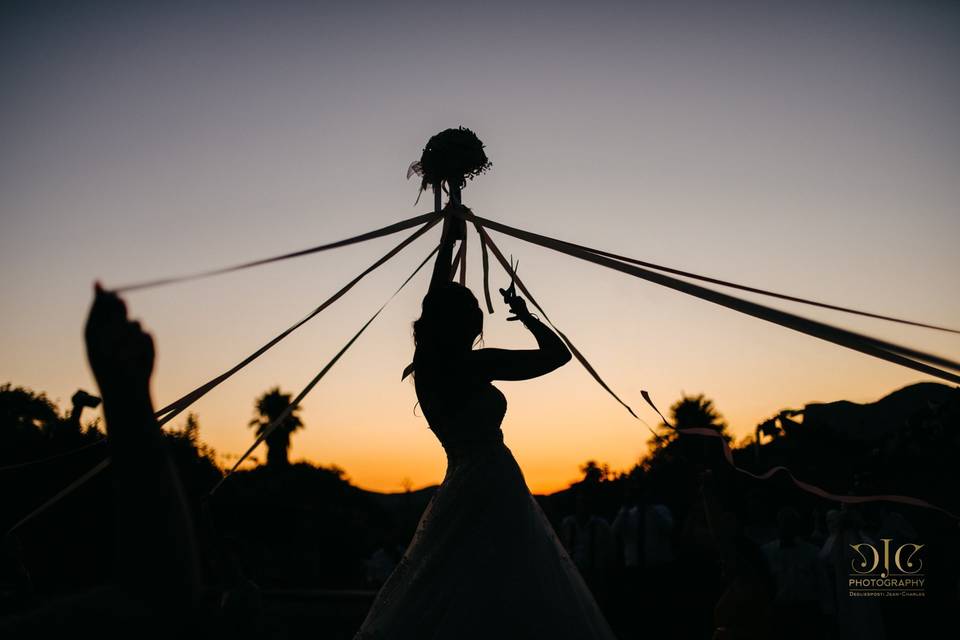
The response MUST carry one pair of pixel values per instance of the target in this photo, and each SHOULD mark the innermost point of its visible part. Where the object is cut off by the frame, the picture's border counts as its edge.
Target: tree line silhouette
(280, 529)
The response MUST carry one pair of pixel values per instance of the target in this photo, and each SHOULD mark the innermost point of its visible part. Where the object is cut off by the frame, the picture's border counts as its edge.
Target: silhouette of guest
(853, 618)
(156, 589)
(743, 610)
(589, 540)
(796, 570)
(156, 547)
(81, 400)
(643, 528)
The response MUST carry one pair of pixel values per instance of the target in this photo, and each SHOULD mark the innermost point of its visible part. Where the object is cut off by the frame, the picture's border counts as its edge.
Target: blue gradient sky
(813, 150)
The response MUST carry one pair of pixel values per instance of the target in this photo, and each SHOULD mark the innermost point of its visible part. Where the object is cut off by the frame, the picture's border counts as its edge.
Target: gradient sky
(814, 150)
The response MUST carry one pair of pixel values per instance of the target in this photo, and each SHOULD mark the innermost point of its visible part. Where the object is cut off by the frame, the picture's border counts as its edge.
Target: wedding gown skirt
(484, 563)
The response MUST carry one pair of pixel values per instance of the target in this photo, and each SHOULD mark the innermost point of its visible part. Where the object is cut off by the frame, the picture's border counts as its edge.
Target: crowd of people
(721, 574)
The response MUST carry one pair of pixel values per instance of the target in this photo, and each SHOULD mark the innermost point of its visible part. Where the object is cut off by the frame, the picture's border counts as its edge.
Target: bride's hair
(450, 321)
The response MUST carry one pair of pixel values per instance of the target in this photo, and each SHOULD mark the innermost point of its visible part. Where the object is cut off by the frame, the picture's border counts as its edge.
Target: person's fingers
(100, 303)
(100, 324)
(108, 310)
(117, 305)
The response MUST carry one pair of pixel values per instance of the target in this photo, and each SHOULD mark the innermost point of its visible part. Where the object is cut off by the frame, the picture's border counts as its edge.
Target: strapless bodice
(473, 424)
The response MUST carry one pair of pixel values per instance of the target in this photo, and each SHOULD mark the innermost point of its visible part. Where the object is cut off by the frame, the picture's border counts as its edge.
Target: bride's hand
(518, 306)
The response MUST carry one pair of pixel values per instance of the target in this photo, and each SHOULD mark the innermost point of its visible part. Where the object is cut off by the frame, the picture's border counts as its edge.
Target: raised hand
(81, 399)
(518, 306)
(120, 353)
(156, 548)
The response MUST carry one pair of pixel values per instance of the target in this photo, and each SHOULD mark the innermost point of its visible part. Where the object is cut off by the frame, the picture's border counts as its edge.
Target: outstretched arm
(155, 541)
(522, 364)
(454, 229)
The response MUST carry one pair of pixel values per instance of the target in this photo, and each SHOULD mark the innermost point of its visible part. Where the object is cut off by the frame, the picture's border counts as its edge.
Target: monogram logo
(871, 558)
(890, 570)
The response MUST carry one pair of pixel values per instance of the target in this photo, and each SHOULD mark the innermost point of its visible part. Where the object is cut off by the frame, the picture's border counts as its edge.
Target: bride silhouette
(484, 561)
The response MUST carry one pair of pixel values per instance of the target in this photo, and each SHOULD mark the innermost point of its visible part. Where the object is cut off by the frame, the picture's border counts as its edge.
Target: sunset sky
(813, 150)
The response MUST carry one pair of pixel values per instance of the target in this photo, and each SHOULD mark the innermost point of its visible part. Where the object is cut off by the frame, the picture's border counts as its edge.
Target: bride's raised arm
(454, 229)
(522, 364)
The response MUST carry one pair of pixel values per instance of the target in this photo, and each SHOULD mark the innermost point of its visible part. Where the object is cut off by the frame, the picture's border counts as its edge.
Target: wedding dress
(484, 561)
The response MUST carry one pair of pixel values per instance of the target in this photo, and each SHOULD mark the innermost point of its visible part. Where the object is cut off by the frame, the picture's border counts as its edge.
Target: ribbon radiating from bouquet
(170, 411)
(930, 364)
(703, 432)
(370, 235)
(279, 420)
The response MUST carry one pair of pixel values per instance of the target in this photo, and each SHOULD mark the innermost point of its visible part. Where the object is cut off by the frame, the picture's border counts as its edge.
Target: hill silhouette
(876, 420)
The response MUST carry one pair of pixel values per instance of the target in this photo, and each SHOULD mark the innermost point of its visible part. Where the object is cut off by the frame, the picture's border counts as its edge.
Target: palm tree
(697, 412)
(269, 407)
(593, 474)
(687, 413)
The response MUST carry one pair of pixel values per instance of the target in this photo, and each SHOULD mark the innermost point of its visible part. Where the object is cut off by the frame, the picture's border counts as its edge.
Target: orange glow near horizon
(556, 423)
